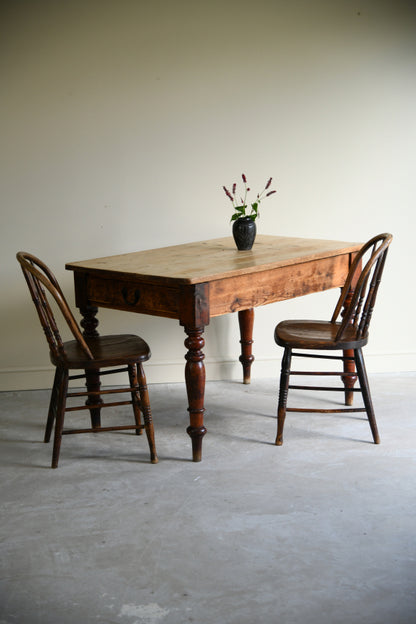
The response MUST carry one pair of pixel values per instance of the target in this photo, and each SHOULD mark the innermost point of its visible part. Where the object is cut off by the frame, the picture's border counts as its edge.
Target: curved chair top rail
(364, 279)
(39, 277)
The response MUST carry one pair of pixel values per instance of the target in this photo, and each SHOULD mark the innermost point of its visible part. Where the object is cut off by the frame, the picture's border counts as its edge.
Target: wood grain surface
(205, 261)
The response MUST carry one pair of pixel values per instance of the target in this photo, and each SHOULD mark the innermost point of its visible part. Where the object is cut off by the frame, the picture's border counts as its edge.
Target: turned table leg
(89, 324)
(349, 380)
(195, 386)
(349, 364)
(246, 321)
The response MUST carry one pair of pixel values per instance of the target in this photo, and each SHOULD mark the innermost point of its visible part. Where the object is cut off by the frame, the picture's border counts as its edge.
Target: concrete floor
(319, 531)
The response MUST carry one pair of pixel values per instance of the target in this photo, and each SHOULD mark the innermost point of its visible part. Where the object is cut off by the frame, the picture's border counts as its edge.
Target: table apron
(196, 303)
(257, 289)
(128, 295)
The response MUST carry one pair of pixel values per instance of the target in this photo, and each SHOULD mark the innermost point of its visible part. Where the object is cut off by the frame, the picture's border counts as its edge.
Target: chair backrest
(42, 282)
(364, 279)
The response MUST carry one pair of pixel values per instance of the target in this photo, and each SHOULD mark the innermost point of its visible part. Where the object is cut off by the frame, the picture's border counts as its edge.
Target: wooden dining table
(194, 282)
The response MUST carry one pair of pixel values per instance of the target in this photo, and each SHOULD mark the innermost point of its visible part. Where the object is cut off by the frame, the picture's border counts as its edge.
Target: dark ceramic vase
(244, 232)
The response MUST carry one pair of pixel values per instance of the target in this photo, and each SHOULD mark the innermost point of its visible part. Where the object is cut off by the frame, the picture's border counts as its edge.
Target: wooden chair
(90, 355)
(346, 331)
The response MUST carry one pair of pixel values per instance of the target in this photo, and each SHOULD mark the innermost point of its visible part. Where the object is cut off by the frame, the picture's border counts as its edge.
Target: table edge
(77, 267)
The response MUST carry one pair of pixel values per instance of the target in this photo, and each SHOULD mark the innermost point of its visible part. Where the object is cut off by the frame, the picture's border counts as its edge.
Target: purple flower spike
(234, 188)
(227, 192)
(270, 193)
(268, 183)
(244, 178)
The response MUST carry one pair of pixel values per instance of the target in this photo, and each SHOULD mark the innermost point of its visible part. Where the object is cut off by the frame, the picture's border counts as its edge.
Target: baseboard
(37, 378)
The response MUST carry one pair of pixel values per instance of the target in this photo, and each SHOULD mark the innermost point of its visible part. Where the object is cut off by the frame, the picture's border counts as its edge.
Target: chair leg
(283, 391)
(53, 405)
(134, 396)
(365, 389)
(60, 414)
(147, 413)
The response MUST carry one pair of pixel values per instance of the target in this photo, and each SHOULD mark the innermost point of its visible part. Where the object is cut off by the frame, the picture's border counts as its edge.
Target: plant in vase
(245, 215)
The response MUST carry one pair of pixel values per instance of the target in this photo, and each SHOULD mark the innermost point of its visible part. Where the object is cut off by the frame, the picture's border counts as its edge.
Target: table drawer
(132, 297)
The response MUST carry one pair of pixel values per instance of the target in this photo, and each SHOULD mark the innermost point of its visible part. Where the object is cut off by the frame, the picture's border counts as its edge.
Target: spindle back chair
(348, 331)
(90, 354)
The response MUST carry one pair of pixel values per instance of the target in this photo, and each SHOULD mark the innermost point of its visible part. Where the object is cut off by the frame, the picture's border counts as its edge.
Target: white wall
(122, 119)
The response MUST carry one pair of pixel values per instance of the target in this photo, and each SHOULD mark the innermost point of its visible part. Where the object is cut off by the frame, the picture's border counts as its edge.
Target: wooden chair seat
(97, 356)
(347, 331)
(316, 335)
(112, 350)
